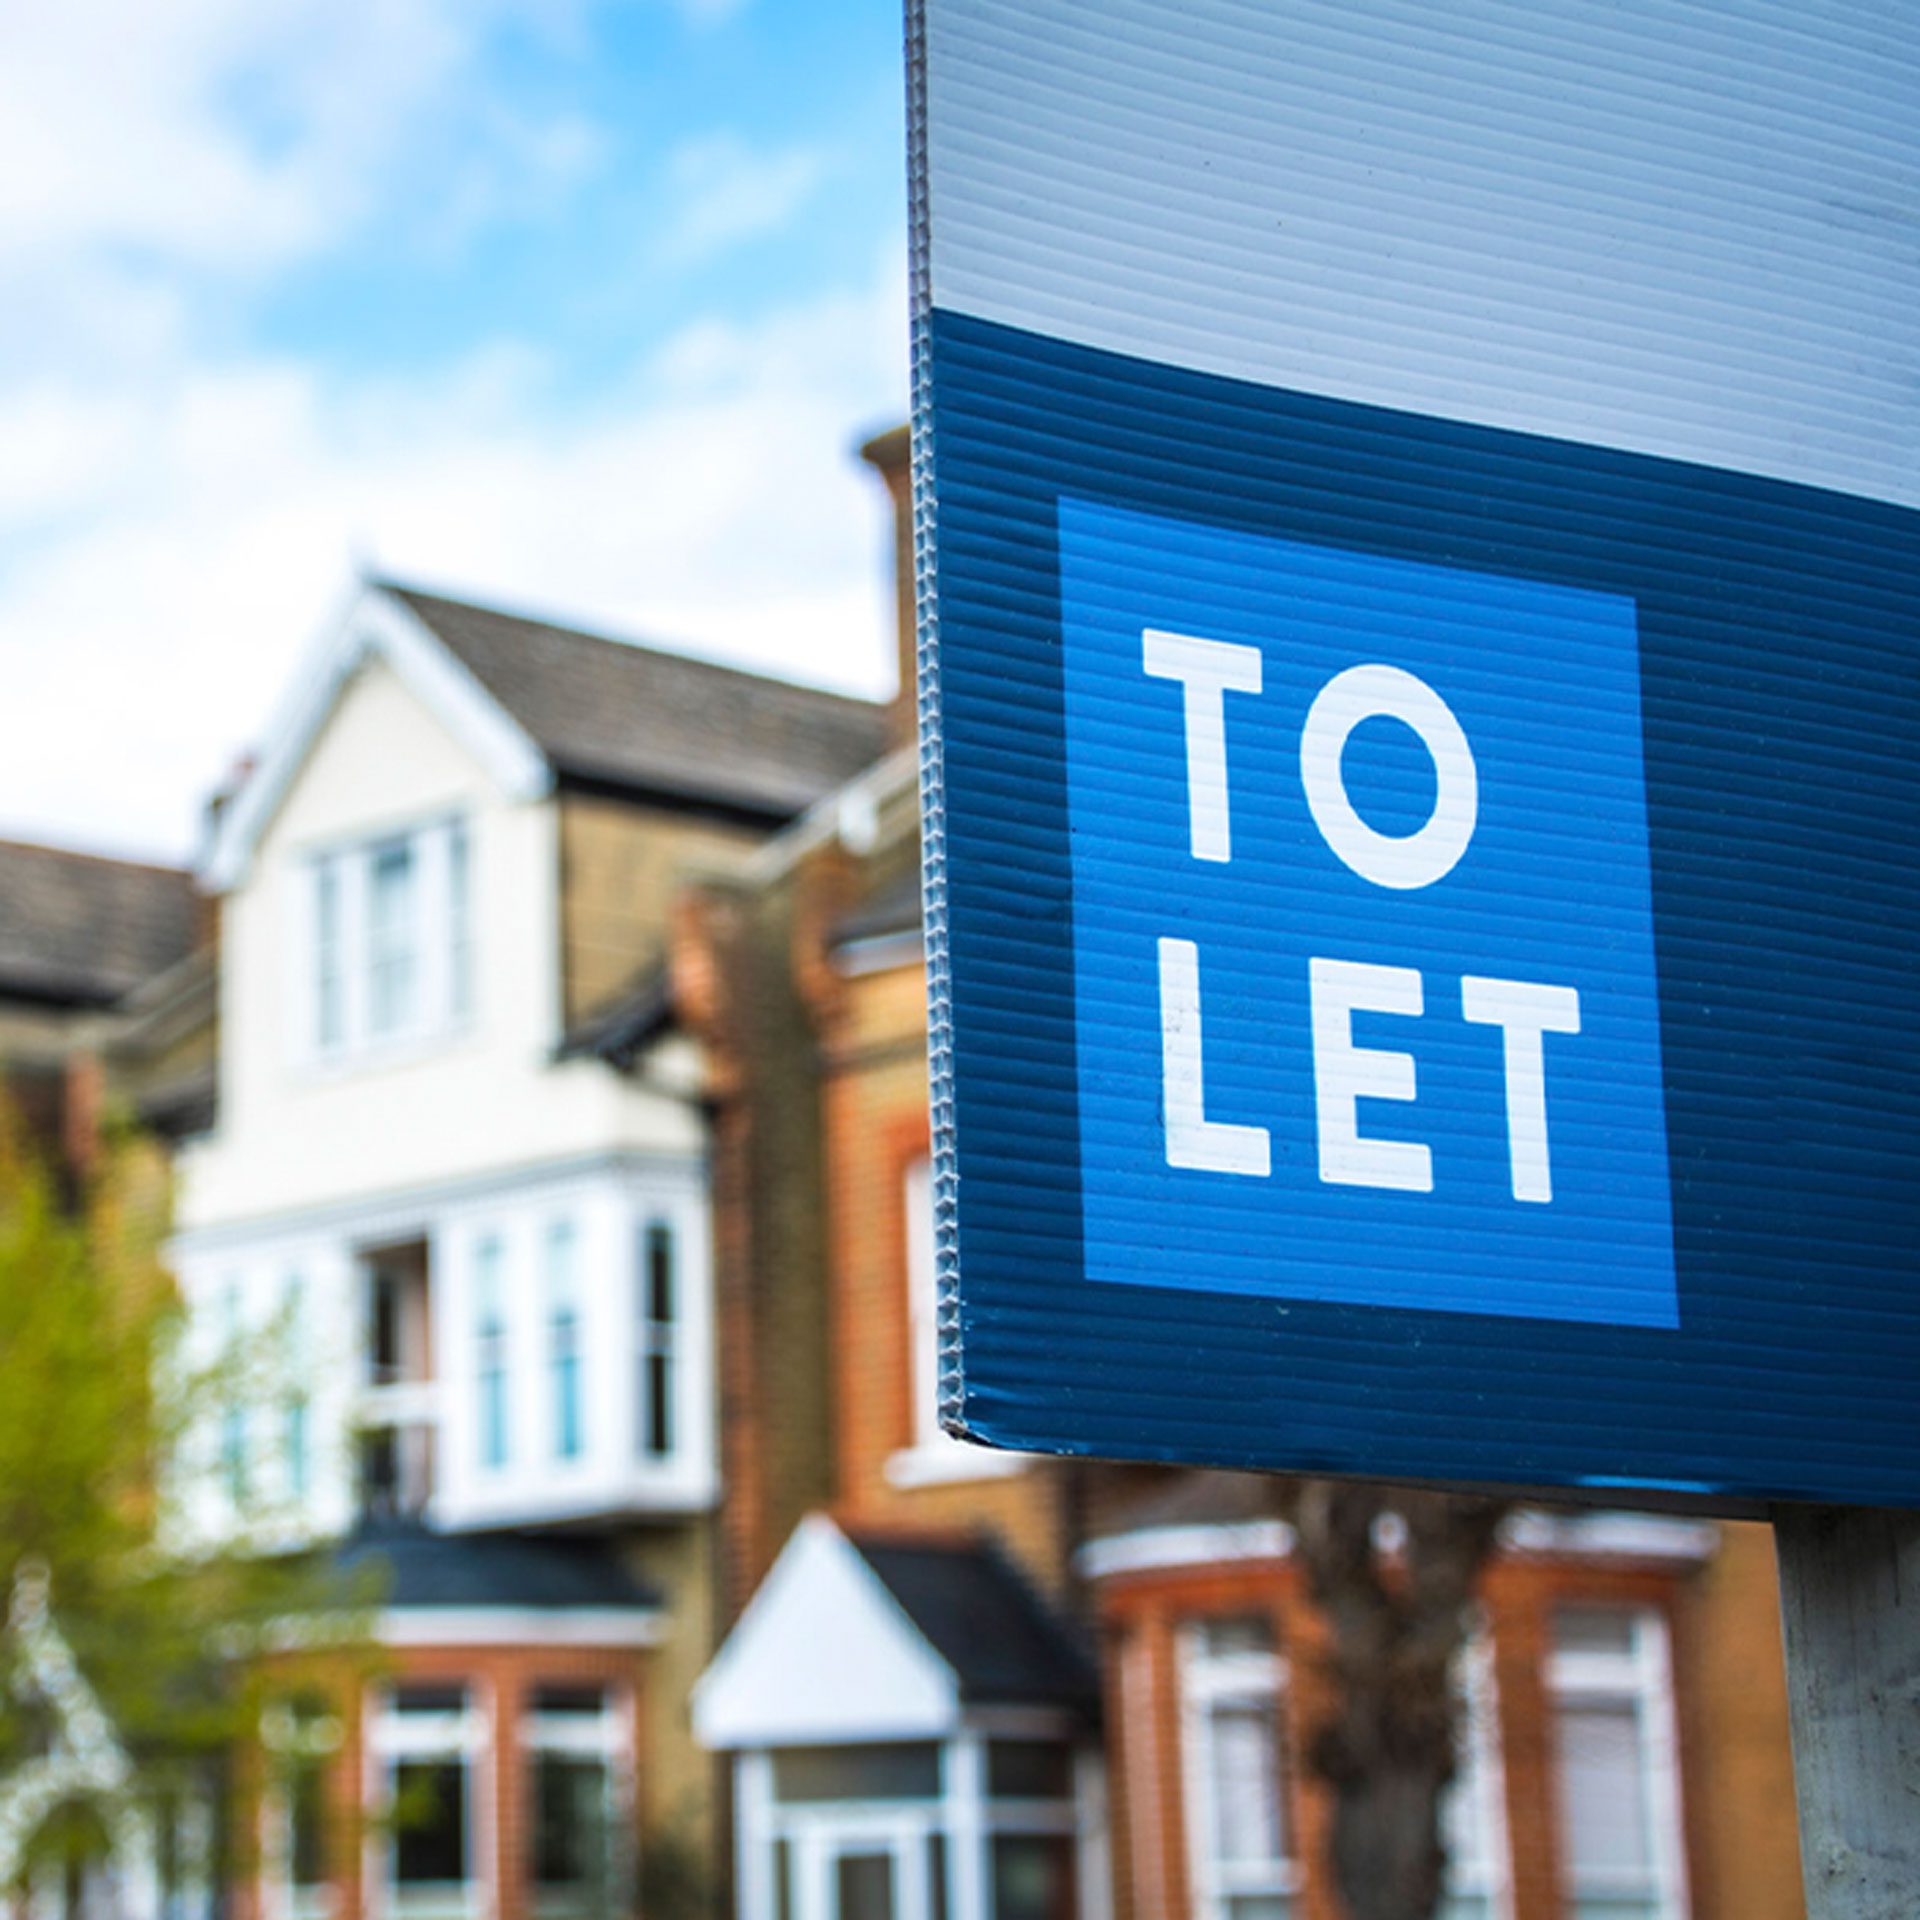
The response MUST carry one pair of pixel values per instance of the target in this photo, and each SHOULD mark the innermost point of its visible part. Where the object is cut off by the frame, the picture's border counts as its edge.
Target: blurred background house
(543, 1042)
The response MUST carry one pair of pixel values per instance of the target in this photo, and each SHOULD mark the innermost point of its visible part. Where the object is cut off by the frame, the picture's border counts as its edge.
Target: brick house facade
(1624, 1705)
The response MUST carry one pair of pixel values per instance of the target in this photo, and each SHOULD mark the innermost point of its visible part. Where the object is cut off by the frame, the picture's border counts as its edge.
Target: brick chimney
(890, 456)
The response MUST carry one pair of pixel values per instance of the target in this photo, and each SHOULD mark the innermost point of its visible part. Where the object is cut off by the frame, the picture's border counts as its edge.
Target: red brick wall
(1735, 1762)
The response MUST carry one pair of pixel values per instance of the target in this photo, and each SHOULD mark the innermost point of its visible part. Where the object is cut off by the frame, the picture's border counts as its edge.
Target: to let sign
(1421, 647)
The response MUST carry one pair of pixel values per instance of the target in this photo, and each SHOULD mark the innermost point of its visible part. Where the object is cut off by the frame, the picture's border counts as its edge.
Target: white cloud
(723, 192)
(179, 510)
(150, 154)
(712, 501)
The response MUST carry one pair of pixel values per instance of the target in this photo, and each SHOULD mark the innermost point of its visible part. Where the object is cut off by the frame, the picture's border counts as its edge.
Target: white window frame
(933, 1455)
(340, 948)
(1639, 1678)
(1481, 1771)
(1209, 1680)
(288, 1742)
(961, 1815)
(397, 1737)
(604, 1737)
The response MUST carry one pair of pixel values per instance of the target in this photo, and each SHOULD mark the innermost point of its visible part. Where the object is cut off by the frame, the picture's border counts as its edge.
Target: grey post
(1850, 1605)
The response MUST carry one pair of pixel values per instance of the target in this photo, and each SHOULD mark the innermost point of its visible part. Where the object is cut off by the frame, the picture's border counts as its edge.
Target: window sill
(347, 1061)
(938, 1462)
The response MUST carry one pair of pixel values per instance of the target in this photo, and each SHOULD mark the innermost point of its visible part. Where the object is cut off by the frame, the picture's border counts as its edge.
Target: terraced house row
(541, 1039)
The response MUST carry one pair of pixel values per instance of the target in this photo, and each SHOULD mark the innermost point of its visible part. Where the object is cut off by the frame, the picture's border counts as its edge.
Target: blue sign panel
(1420, 610)
(1364, 968)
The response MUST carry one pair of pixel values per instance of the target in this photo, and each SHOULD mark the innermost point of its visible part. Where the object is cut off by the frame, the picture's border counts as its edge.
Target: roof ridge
(655, 649)
(9, 844)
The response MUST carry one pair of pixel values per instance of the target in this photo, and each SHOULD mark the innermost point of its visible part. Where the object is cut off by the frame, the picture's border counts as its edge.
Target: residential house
(457, 1160)
(1624, 1747)
(569, 1124)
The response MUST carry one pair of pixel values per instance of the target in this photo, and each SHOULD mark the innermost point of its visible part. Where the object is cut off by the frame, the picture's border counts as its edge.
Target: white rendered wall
(1679, 229)
(294, 1134)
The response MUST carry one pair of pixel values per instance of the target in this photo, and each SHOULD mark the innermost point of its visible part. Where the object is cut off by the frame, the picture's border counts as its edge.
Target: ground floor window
(427, 1740)
(1618, 1770)
(1236, 1770)
(300, 1854)
(574, 1761)
(971, 1828)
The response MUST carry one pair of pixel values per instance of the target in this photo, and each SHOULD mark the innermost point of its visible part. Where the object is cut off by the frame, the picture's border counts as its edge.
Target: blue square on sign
(1365, 995)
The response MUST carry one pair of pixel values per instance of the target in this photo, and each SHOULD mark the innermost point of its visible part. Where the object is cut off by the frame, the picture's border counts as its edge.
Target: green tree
(95, 1397)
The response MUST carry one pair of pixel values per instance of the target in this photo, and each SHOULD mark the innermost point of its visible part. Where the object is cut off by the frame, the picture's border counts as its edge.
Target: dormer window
(390, 945)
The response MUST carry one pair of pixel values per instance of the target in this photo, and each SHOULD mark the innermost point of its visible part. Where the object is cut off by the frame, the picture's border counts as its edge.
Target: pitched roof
(1006, 1646)
(84, 930)
(612, 713)
(427, 1569)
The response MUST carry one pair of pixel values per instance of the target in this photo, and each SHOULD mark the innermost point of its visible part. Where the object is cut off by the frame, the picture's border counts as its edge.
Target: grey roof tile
(632, 717)
(1005, 1644)
(423, 1568)
(83, 929)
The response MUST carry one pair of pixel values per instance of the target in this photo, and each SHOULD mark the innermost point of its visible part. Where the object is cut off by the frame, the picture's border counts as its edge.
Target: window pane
(430, 1699)
(307, 1823)
(891, 1770)
(1221, 1639)
(657, 1291)
(491, 1355)
(1029, 1770)
(1593, 1630)
(1244, 1777)
(391, 937)
(329, 1013)
(937, 1876)
(660, 1273)
(563, 1336)
(571, 1827)
(863, 1886)
(430, 1822)
(569, 1700)
(782, 1880)
(459, 923)
(1033, 1877)
(1603, 1808)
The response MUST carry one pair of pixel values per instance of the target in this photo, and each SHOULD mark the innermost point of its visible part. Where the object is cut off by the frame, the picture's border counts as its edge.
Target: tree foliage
(96, 1394)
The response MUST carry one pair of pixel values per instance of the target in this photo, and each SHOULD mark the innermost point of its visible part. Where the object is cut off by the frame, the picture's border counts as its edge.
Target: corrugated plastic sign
(1420, 599)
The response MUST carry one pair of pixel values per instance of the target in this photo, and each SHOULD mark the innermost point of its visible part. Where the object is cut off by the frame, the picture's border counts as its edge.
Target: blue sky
(569, 305)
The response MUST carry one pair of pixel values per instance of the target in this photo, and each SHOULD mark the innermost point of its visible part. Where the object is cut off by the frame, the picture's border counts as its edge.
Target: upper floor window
(490, 1331)
(658, 1285)
(1618, 1764)
(563, 1340)
(390, 945)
